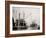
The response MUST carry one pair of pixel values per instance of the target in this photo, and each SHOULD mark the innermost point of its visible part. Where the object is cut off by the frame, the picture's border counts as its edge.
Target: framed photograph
(24, 18)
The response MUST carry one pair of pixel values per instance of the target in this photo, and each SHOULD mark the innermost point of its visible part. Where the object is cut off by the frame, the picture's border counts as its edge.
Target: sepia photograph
(25, 18)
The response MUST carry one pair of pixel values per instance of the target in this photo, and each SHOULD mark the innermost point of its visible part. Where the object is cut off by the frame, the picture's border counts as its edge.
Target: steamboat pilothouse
(20, 23)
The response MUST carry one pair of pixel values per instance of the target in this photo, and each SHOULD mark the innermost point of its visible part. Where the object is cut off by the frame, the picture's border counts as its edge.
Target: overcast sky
(31, 14)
